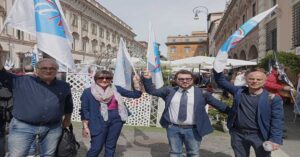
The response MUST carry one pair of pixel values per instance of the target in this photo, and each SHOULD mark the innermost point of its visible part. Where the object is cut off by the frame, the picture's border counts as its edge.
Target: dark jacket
(269, 111)
(200, 99)
(90, 110)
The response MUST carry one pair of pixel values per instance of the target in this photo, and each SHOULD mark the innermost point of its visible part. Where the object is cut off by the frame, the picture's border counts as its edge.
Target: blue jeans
(179, 136)
(241, 143)
(22, 135)
(108, 136)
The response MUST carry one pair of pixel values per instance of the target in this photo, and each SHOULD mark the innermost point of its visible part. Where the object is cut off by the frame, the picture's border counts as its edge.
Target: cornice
(225, 16)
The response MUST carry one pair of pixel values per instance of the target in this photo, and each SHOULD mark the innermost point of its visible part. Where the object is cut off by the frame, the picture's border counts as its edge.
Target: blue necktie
(183, 107)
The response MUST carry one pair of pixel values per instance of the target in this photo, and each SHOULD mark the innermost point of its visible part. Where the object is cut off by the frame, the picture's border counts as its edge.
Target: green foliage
(288, 59)
(215, 114)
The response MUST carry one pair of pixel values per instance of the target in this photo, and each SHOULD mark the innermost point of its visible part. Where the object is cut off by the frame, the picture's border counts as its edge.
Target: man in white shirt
(184, 116)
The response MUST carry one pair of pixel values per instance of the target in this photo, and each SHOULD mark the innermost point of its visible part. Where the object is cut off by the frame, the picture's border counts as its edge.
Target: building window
(187, 40)
(20, 35)
(253, 9)
(173, 49)
(101, 32)
(85, 25)
(174, 40)
(107, 35)
(114, 38)
(74, 20)
(187, 49)
(296, 25)
(236, 26)
(94, 29)
(271, 35)
(244, 18)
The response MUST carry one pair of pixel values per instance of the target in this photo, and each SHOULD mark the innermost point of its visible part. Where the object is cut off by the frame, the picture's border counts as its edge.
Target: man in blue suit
(255, 117)
(184, 116)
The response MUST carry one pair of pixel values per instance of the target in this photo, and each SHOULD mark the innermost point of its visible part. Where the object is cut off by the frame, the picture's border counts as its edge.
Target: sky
(168, 17)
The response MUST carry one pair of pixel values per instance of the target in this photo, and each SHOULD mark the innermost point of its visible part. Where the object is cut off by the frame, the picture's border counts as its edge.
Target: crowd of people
(38, 106)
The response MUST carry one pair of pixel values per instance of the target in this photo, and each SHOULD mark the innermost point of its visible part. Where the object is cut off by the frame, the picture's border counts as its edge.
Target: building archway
(235, 56)
(243, 55)
(253, 53)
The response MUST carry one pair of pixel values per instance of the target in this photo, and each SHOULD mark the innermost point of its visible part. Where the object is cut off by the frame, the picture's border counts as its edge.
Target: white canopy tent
(204, 61)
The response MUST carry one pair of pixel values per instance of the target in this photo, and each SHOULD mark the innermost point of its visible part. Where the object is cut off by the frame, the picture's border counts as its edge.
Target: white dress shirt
(175, 104)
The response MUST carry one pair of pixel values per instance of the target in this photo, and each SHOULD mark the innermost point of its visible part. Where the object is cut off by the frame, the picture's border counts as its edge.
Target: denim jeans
(241, 143)
(179, 136)
(2, 139)
(108, 137)
(22, 135)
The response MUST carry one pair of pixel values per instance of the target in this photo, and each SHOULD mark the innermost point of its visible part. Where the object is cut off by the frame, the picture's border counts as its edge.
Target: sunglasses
(102, 78)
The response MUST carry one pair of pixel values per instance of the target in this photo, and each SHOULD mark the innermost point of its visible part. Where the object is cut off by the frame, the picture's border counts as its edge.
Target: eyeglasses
(184, 79)
(52, 69)
(102, 78)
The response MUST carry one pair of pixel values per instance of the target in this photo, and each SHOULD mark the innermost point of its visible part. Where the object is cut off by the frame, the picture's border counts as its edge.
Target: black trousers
(242, 141)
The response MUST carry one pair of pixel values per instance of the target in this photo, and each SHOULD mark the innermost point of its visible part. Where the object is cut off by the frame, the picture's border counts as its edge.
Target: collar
(191, 89)
(41, 81)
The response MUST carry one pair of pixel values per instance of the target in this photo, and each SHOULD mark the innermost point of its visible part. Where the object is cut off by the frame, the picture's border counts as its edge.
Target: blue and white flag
(45, 20)
(123, 69)
(153, 60)
(236, 37)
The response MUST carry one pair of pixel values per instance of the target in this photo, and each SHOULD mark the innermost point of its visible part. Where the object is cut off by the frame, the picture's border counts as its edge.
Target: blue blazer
(90, 108)
(269, 111)
(200, 99)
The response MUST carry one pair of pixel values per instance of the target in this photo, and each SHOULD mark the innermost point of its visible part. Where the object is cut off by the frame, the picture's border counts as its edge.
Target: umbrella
(208, 61)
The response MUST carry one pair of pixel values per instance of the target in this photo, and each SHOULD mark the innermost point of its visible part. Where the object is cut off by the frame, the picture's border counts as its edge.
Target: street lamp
(202, 9)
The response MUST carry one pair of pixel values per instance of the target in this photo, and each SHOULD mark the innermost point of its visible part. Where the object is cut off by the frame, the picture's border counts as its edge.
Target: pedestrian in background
(256, 116)
(103, 112)
(184, 116)
(42, 106)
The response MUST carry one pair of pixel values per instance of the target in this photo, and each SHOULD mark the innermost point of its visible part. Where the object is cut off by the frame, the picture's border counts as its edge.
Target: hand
(275, 146)
(85, 132)
(66, 121)
(136, 78)
(146, 74)
(287, 88)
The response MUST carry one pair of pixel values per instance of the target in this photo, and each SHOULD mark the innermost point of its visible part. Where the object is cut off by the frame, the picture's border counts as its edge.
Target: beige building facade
(180, 47)
(238, 12)
(96, 33)
(276, 32)
(213, 23)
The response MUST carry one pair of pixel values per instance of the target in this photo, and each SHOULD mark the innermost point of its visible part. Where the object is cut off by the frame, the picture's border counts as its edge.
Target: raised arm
(224, 83)
(150, 89)
(129, 94)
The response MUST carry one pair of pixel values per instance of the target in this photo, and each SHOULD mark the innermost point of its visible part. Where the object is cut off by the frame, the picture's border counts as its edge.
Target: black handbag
(67, 145)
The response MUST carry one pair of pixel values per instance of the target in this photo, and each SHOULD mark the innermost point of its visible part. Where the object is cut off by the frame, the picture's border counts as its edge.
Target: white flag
(153, 60)
(45, 20)
(123, 69)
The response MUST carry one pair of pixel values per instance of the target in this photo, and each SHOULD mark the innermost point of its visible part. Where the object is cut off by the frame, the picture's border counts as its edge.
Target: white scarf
(105, 96)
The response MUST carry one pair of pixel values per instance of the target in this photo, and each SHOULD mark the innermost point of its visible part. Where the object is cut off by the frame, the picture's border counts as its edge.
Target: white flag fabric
(153, 60)
(123, 69)
(222, 56)
(45, 20)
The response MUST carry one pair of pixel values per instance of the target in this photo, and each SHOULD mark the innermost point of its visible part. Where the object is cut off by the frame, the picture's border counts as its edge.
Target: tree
(290, 61)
